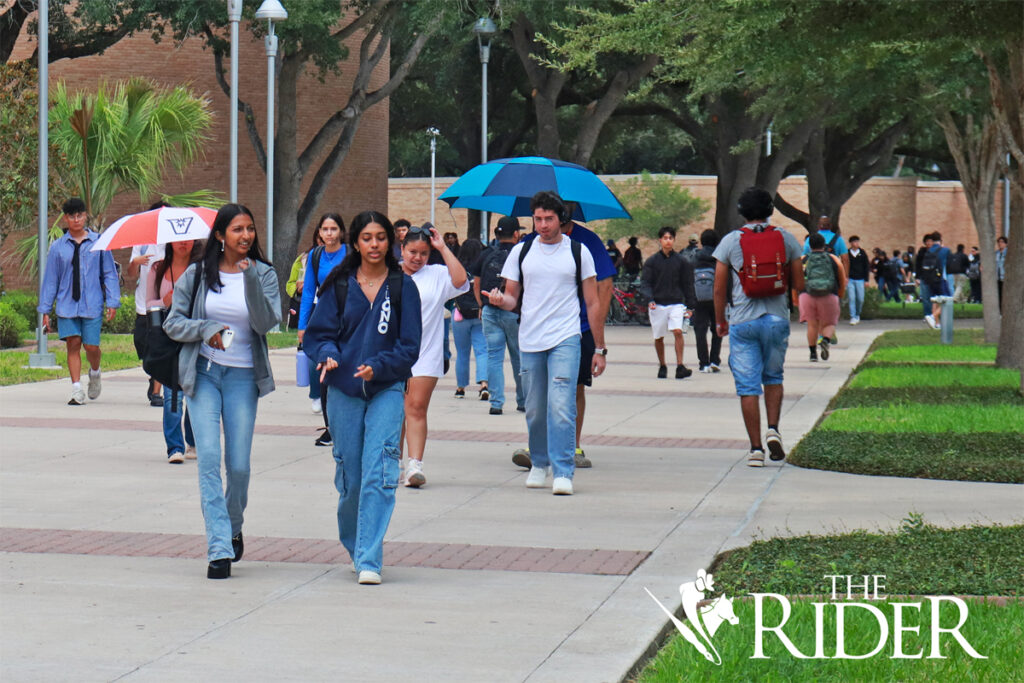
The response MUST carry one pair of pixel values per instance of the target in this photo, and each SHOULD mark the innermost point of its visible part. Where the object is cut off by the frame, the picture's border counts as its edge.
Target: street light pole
(272, 11)
(484, 28)
(42, 358)
(433, 133)
(234, 16)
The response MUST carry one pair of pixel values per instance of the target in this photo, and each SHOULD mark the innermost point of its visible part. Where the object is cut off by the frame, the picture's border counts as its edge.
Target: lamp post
(234, 16)
(433, 133)
(272, 11)
(484, 28)
(42, 358)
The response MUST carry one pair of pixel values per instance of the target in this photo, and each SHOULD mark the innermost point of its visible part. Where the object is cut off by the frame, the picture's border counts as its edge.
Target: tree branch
(243, 106)
(11, 22)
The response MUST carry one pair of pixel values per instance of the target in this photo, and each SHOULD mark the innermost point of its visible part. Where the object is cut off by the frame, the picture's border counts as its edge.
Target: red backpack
(765, 271)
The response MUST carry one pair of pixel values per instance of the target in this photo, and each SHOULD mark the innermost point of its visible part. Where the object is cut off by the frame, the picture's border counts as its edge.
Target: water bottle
(156, 316)
(301, 368)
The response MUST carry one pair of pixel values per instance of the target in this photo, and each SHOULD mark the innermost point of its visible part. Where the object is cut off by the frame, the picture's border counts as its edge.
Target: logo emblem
(180, 226)
(703, 621)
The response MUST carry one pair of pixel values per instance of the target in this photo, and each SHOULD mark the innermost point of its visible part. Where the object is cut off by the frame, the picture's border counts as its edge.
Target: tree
(316, 35)
(653, 201)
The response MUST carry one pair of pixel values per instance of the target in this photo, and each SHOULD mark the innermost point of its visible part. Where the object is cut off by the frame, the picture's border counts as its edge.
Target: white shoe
(77, 397)
(929, 320)
(854, 321)
(368, 578)
(715, 367)
(95, 385)
(562, 486)
(755, 458)
(537, 476)
(317, 408)
(190, 453)
(414, 474)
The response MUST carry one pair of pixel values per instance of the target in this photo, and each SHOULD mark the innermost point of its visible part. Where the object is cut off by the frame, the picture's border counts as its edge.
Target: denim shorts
(86, 328)
(757, 353)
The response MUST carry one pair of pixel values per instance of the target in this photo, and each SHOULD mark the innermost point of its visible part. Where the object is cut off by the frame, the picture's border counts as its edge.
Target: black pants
(139, 333)
(703, 322)
(975, 291)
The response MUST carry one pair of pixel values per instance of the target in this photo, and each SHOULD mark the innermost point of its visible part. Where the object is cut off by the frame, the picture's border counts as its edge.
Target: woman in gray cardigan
(224, 368)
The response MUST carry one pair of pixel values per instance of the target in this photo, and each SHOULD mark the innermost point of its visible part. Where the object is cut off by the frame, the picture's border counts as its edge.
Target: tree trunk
(1010, 353)
(287, 178)
(736, 170)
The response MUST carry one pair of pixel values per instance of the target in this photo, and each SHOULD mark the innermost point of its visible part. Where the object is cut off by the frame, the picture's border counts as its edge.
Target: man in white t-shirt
(554, 270)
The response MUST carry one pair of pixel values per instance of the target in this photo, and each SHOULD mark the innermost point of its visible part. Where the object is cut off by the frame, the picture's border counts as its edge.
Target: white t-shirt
(551, 309)
(140, 289)
(435, 285)
(228, 307)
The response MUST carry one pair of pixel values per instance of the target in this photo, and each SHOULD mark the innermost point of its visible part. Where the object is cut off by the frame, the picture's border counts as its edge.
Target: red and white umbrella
(159, 226)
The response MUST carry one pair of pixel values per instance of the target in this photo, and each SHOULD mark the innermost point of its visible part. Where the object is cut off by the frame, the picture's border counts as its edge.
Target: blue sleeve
(322, 331)
(395, 363)
(111, 287)
(308, 292)
(841, 246)
(603, 264)
(48, 287)
(807, 245)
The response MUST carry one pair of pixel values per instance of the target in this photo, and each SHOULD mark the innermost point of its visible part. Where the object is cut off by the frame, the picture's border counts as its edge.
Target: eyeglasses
(417, 230)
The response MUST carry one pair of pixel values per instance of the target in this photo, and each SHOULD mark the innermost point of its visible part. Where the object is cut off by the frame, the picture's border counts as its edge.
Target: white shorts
(665, 318)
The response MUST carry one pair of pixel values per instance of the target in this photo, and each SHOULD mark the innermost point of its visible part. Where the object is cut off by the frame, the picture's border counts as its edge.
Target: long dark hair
(469, 252)
(353, 258)
(211, 256)
(165, 263)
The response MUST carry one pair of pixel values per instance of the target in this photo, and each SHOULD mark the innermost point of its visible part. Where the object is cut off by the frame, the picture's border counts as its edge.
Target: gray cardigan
(263, 298)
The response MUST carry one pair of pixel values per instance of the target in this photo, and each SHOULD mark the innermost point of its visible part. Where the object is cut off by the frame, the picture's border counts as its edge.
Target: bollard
(946, 322)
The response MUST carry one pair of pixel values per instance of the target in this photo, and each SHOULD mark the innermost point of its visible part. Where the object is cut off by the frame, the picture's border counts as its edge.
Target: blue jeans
(227, 395)
(501, 329)
(469, 334)
(855, 297)
(367, 464)
(757, 353)
(314, 381)
(173, 415)
(549, 378)
(926, 298)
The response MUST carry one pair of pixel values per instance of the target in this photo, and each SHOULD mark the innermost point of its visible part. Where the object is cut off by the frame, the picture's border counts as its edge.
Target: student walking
(703, 317)
(824, 284)
(468, 329)
(758, 315)
(364, 337)
(858, 277)
(79, 281)
(436, 284)
(668, 284)
(224, 368)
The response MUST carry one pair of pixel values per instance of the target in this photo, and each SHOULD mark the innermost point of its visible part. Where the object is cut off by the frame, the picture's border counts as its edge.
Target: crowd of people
(375, 307)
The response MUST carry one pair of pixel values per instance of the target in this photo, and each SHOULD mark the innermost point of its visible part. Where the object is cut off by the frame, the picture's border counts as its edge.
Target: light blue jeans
(549, 378)
(469, 335)
(172, 423)
(229, 396)
(757, 353)
(367, 464)
(855, 297)
(501, 329)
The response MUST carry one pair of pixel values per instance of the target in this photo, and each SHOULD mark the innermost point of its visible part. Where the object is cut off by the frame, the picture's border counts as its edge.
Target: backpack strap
(577, 256)
(832, 243)
(315, 257)
(395, 284)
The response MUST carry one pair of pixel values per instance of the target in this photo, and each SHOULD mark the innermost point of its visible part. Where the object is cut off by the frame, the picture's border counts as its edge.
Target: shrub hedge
(12, 326)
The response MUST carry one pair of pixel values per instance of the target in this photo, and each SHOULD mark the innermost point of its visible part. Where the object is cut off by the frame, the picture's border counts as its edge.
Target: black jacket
(668, 280)
(859, 266)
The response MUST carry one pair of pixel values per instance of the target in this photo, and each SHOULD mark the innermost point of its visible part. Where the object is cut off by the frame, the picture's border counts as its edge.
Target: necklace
(367, 282)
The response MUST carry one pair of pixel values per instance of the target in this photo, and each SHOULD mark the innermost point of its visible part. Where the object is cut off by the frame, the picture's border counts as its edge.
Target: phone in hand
(226, 337)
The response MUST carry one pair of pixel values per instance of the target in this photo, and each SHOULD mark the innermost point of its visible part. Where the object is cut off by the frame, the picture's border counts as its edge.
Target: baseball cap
(507, 226)
(694, 238)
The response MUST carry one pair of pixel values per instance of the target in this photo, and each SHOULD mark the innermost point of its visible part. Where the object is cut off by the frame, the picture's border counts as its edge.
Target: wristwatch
(603, 352)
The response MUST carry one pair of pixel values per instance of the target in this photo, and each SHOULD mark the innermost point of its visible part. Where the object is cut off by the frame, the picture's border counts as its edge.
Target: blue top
(312, 280)
(57, 283)
(943, 256)
(364, 335)
(602, 261)
(840, 245)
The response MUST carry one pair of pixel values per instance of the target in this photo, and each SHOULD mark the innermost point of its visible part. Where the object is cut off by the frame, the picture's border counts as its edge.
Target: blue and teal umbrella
(505, 186)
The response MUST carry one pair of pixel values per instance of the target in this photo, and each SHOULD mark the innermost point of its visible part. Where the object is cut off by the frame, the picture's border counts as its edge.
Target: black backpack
(704, 277)
(466, 303)
(491, 265)
(892, 269)
(161, 359)
(831, 246)
(931, 270)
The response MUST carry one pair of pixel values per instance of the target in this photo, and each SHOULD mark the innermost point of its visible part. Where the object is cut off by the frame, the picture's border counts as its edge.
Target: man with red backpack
(756, 266)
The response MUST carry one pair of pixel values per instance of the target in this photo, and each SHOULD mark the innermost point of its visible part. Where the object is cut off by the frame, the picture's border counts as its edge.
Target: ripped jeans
(367, 464)
(549, 379)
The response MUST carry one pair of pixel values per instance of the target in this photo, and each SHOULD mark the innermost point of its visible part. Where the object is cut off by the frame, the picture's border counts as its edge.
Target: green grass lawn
(929, 376)
(892, 310)
(935, 353)
(118, 354)
(916, 417)
(917, 337)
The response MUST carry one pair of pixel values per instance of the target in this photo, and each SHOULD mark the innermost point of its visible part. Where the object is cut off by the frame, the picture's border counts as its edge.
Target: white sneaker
(755, 458)
(176, 458)
(95, 385)
(929, 320)
(317, 408)
(562, 486)
(854, 321)
(190, 453)
(774, 442)
(77, 397)
(368, 578)
(537, 476)
(715, 367)
(414, 474)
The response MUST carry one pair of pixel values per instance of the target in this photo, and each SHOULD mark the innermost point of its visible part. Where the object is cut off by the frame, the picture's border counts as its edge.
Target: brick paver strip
(323, 551)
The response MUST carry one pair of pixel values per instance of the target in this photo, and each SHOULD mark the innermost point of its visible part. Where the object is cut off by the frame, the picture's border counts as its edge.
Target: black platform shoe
(238, 545)
(219, 569)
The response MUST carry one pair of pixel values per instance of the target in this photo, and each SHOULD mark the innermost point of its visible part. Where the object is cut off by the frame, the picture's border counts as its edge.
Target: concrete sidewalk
(102, 541)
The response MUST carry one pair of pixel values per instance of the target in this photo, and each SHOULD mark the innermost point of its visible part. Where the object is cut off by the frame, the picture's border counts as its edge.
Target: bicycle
(628, 305)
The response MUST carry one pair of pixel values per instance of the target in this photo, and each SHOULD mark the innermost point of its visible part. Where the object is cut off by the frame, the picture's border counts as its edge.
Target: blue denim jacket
(56, 283)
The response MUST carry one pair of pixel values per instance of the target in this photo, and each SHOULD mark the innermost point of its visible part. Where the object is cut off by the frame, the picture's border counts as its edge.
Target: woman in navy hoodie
(365, 349)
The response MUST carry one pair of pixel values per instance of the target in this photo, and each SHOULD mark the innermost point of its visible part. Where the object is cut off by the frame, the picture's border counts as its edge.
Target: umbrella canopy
(505, 186)
(159, 226)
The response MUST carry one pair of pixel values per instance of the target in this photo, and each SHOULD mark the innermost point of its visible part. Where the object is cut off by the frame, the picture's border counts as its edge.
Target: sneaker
(715, 367)
(325, 438)
(521, 458)
(823, 343)
(854, 321)
(176, 458)
(814, 356)
(495, 411)
(581, 460)
(834, 340)
(368, 578)
(682, 372)
(562, 486)
(95, 385)
(460, 393)
(537, 476)
(521, 409)
(755, 458)
(706, 369)
(774, 442)
(157, 401)
(190, 453)
(414, 474)
(929, 320)
(315, 405)
(77, 397)
(484, 394)
(662, 372)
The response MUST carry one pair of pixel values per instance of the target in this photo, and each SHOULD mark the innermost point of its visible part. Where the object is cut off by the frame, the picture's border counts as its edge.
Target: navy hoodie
(366, 335)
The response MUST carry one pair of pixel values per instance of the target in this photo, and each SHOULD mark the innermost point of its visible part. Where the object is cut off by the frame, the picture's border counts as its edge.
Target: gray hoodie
(262, 296)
